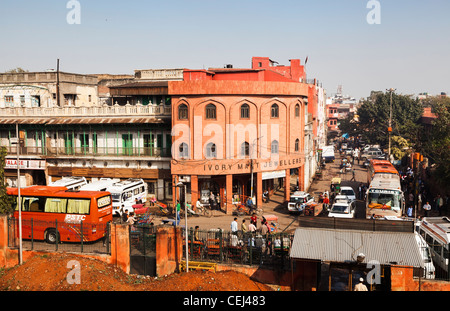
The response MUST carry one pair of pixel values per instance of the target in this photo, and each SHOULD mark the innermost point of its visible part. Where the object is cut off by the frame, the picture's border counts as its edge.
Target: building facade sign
(240, 166)
(159, 74)
(25, 164)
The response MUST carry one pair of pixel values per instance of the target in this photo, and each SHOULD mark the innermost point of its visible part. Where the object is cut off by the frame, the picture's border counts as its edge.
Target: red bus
(56, 214)
(380, 167)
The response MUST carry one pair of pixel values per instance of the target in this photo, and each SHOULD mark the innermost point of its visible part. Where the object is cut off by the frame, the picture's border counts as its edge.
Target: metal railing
(36, 236)
(250, 248)
(93, 151)
(93, 111)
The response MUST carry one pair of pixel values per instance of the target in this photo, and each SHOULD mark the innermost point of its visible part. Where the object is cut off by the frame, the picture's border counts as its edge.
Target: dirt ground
(56, 273)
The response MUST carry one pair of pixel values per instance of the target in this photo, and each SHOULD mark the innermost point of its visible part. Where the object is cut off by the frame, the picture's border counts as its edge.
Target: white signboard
(25, 164)
(273, 174)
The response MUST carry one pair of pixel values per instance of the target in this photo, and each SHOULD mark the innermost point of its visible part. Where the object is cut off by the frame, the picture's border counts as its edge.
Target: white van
(125, 193)
(298, 201)
(100, 185)
(429, 271)
(71, 182)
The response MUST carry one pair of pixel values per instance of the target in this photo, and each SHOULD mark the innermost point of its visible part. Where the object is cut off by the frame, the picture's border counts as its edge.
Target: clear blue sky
(409, 50)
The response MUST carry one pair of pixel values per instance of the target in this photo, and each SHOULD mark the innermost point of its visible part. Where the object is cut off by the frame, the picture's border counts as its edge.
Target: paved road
(276, 204)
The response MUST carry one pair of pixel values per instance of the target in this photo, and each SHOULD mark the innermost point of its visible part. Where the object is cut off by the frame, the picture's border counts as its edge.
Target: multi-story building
(235, 125)
(79, 136)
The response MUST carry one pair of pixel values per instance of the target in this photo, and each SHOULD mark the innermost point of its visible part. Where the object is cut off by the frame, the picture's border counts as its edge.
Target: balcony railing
(92, 151)
(95, 111)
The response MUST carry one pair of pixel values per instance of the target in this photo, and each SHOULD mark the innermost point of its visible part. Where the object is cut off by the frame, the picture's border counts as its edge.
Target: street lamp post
(180, 184)
(18, 195)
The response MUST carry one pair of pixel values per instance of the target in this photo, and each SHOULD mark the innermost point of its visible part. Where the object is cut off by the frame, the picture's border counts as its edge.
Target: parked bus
(58, 214)
(71, 182)
(100, 185)
(126, 193)
(380, 167)
(384, 197)
(436, 232)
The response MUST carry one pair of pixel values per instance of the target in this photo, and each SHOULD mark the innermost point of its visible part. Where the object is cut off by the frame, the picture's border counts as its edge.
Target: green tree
(5, 201)
(436, 142)
(374, 116)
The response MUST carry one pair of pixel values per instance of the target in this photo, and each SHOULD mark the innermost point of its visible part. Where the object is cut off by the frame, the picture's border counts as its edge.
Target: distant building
(82, 136)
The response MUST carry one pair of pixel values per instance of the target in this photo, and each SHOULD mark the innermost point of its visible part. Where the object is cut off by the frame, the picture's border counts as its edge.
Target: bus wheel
(51, 236)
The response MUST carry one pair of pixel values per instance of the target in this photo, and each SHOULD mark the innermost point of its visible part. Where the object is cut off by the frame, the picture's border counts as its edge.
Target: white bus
(125, 194)
(100, 185)
(436, 232)
(429, 270)
(384, 197)
(71, 182)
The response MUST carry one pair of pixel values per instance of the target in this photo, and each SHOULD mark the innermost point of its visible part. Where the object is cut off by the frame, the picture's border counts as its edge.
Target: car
(298, 201)
(348, 192)
(372, 152)
(342, 209)
(348, 151)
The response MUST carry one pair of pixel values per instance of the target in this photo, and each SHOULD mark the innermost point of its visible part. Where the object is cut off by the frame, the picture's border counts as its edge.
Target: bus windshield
(115, 197)
(385, 199)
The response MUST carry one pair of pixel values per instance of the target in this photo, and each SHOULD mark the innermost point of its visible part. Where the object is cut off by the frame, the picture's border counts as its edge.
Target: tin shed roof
(335, 245)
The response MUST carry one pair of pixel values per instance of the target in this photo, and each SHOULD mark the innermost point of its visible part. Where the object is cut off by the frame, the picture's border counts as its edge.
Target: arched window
(274, 111)
(211, 151)
(297, 110)
(182, 112)
(183, 151)
(210, 111)
(274, 147)
(245, 111)
(297, 144)
(245, 149)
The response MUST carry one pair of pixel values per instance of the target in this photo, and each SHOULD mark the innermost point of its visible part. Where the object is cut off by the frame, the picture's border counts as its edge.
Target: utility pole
(391, 90)
(58, 99)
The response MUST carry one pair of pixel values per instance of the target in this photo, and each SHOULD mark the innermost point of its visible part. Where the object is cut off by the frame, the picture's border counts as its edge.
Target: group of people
(252, 227)
(427, 204)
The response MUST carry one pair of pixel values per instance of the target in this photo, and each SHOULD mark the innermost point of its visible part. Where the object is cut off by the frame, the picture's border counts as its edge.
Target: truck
(328, 154)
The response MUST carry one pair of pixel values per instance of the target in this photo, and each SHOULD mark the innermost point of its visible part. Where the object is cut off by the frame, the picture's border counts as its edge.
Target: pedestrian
(244, 227)
(251, 227)
(440, 204)
(427, 208)
(178, 211)
(234, 226)
(360, 287)
(353, 175)
(409, 211)
(253, 219)
(326, 202)
(196, 233)
(125, 216)
(411, 199)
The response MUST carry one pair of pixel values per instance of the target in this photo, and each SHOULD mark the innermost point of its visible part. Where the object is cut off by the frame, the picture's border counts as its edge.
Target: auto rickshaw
(272, 221)
(335, 185)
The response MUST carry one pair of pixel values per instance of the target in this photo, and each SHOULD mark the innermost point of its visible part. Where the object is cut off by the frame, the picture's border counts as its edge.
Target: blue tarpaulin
(345, 135)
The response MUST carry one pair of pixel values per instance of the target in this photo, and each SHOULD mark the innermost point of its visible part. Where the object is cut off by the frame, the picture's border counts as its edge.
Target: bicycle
(204, 211)
(242, 210)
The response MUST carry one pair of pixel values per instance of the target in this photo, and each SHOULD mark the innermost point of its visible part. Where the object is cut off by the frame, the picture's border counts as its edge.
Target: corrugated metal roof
(387, 248)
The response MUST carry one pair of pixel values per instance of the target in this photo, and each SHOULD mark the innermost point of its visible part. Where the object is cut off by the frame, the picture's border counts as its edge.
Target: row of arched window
(210, 111)
(211, 149)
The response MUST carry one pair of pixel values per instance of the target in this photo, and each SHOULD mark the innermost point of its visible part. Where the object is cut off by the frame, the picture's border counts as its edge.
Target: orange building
(231, 124)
